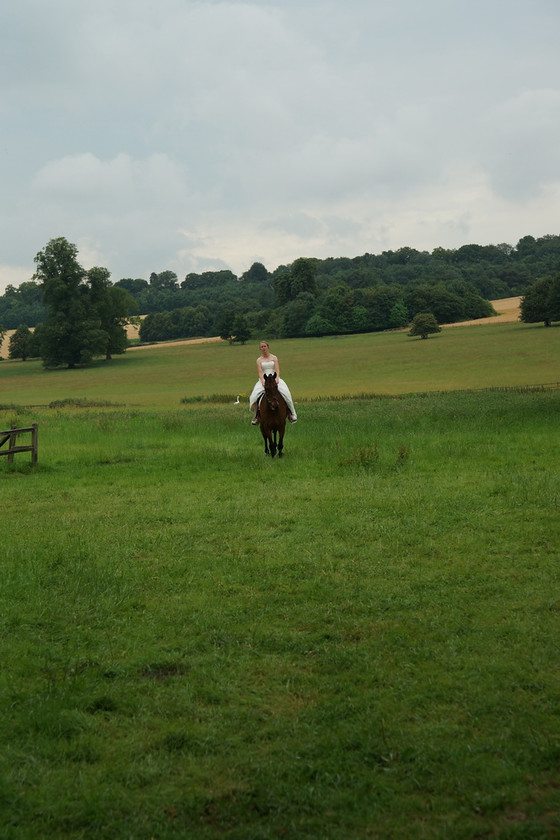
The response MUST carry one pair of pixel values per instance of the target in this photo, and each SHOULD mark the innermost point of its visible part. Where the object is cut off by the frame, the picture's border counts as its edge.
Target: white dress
(268, 366)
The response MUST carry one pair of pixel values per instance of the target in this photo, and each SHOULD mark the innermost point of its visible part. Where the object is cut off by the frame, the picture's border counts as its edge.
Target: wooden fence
(10, 437)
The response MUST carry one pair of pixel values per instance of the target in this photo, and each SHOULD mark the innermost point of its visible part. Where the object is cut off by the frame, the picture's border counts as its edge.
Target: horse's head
(271, 389)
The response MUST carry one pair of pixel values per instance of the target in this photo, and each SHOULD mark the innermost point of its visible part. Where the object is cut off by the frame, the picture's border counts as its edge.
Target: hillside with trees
(343, 295)
(309, 297)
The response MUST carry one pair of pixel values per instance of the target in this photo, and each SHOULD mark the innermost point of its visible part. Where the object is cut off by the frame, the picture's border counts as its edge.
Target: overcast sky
(203, 134)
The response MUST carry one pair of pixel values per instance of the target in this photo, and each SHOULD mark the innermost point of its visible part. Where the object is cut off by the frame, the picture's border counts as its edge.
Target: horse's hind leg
(273, 443)
(280, 446)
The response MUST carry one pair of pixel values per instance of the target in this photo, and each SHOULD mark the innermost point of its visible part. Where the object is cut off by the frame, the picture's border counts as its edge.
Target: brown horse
(273, 411)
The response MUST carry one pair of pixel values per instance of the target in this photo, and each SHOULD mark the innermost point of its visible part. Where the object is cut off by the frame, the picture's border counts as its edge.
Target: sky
(196, 135)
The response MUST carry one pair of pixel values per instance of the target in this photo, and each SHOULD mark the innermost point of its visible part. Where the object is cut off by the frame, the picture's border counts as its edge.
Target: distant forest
(321, 296)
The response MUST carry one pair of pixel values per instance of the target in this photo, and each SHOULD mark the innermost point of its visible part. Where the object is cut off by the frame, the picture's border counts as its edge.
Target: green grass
(383, 363)
(357, 641)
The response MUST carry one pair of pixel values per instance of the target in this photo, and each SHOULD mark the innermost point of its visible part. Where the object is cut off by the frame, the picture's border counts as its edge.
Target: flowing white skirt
(258, 390)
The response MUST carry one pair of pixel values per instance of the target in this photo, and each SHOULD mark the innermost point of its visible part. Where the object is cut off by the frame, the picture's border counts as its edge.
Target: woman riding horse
(273, 411)
(268, 363)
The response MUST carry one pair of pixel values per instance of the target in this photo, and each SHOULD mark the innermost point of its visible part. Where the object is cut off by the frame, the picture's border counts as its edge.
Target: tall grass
(360, 640)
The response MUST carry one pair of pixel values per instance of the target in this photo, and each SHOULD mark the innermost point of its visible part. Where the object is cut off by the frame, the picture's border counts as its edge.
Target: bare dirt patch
(175, 343)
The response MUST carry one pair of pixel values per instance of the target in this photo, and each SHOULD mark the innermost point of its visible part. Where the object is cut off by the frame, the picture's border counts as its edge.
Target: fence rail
(9, 437)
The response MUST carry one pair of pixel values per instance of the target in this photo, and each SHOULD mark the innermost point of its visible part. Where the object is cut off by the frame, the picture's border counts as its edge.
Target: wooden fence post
(11, 445)
(34, 444)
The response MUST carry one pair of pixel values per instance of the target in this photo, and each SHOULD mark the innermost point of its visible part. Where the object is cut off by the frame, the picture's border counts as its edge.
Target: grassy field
(358, 641)
(384, 363)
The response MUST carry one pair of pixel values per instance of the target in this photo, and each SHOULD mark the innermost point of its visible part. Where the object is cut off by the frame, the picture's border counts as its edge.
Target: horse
(273, 411)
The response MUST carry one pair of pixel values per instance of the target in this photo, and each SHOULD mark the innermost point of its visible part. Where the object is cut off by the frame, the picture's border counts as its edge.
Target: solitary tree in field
(424, 324)
(541, 301)
(72, 332)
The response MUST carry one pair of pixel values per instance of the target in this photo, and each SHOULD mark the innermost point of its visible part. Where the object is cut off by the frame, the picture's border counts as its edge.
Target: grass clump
(81, 403)
(219, 399)
(362, 456)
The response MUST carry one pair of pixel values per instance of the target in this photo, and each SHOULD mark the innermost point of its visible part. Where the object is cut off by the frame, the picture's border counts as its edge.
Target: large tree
(300, 277)
(225, 325)
(23, 305)
(241, 329)
(112, 305)
(256, 274)
(424, 324)
(541, 301)
(164, 280)
(72, 332)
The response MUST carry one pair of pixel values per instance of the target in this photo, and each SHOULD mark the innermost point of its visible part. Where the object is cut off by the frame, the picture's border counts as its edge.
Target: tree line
(314, 297)
(79, 314)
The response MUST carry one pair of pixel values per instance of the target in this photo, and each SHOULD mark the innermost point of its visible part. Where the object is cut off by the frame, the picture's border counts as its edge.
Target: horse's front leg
(273, 443)
(266, 450)
(280, 444)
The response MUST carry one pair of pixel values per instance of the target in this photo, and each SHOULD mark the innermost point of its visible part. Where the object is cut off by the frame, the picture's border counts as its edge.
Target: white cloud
(14, 276)
(519, 153)
(110, 185)
(190, 133)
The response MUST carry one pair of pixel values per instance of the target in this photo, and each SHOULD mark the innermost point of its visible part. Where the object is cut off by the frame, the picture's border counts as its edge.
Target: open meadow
(160, 376)
(357, 641)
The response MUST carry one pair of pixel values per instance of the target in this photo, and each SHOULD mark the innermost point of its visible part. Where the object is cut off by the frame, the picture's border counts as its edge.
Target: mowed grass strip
(503, 355)
(359, 640)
